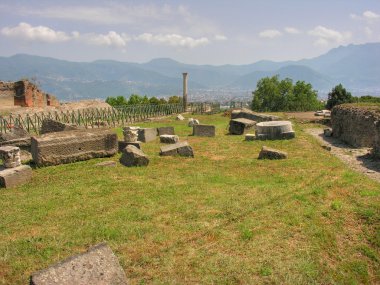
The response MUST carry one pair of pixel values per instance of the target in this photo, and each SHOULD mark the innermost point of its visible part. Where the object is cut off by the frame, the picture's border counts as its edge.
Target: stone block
(275, 130)
(97, 266)
(248, 114)
(131, 134)
(180, 117)
(327, 132)
(270, 153)
(250, 137)
(11, 156)
(180, 148)
(169, 139)
(132, 156)
(16, 134)
(17, 176)
(71, 146)
(165, 131)
(147, 134)
(123, 145)
(51, 126)
(204, 130)
(239, 126)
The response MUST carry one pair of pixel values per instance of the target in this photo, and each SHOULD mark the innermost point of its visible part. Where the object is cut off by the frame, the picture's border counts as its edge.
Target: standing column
(184, 91)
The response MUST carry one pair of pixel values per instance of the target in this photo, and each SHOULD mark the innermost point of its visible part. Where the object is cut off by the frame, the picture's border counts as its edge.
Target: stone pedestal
(165, 131)
(275, 130)
(147, 134)
(17, 176)
(11, 156)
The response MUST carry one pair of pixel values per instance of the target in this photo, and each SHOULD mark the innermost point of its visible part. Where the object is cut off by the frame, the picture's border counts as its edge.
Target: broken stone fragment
(193, 122)
(165, 131)
(180, 148)
(180, 117)
(130, 134)
(270, 153)
(169, 138)
(132, 156)
(16, 176)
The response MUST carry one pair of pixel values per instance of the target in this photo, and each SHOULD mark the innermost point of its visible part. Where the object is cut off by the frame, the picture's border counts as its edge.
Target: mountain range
(357, 67)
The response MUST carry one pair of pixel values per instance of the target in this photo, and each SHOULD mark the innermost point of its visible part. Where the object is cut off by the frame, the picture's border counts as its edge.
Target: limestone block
(239, 126)
(132, 156)
(169, 139)
(204, 130)
(97, 266)
(71, 146)
(248, 114)
(165, 131)
(123, 145)
(250, 137)
(270, 153)
(131, 134)
(147, 134)
(193, 122)
(180, 117)
(180, 148)
(17, 176)
(51, 126)
(11, 156)
(274, 130)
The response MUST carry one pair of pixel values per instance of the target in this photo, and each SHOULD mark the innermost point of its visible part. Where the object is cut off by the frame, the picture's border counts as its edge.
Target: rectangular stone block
(165, 131)
(204, 130)
(71, 146)
(147, 134)
(239, 126)
(181, 149)
(13, 177)
(97, 266)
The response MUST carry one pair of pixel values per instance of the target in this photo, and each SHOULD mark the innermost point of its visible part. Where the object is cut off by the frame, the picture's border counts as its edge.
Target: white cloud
(291, 30)
(327, 36)
(368, 31)
(25, 31)
(371, 15)
(271, 34)
(112, 39)
(172, 40)
(220, 38)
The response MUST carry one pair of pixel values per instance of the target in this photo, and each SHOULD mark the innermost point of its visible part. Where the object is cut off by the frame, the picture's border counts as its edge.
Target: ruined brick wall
(6, 94)
(26, 94)
(355, 124)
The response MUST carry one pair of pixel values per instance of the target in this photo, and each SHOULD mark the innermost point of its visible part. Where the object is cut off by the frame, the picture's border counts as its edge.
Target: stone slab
(274, 130)
(122, 145)
(239, 126)
(248, 114)
(180, 117)
(97, 266)
(71, 146)
(147, 134)
(204, 130)
(169, 139)
(250, 137)
(180, 148)
(132, 156)
(13, 177)
(165, 131)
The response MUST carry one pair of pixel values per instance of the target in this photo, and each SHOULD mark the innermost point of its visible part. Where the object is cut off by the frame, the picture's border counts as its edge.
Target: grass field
(223, 217)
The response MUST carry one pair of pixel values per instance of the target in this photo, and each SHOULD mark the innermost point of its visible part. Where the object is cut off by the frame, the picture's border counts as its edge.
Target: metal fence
(90, 118)
(203, 108)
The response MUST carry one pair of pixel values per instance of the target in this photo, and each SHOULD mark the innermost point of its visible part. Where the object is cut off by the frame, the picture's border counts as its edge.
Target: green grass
(223, 217)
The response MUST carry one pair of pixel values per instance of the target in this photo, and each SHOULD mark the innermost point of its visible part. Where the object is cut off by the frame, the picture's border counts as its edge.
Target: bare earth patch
(358, 159)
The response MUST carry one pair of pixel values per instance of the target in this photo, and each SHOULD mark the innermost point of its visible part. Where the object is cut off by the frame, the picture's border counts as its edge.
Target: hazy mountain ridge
(357, 67)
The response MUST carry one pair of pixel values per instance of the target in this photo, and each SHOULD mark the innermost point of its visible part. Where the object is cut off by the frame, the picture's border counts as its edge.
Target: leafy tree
(163, 101)
(337, 96)
(174, 100)
(276, 95)
(154, 101)
(117, 101)
(135, 99)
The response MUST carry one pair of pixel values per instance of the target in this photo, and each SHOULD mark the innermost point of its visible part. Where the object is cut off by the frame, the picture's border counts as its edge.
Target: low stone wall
(376, 147)
(355, 124)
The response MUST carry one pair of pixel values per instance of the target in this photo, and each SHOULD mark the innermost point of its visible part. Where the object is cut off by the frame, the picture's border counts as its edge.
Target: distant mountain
(357, 67)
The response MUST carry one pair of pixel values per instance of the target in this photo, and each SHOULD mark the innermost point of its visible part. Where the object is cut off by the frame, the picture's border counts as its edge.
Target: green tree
(174, 100)
(154, 101)
(163, 101)
(337, 96)
(135, 99)
(304, 98)
(116, 101)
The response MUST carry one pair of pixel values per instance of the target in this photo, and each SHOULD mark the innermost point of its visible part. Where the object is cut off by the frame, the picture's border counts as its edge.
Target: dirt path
(356, 158)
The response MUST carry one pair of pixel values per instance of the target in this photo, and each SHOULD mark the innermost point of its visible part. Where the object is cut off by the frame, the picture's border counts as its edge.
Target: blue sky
(198, 32)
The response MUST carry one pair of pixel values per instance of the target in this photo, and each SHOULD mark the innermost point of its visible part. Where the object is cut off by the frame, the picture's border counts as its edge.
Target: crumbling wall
(376, 147)
(25, 94)
(355, 124)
